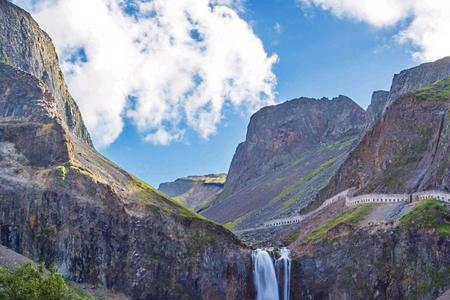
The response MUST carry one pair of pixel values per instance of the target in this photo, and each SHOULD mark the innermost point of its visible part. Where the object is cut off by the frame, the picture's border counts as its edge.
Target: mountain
(26, 47)
(67, 206)
(195, 191)
(408, 148)
(291, 151)
(385, 251)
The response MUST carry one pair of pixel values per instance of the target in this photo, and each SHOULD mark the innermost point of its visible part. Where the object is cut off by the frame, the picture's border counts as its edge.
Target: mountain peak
(26, 47)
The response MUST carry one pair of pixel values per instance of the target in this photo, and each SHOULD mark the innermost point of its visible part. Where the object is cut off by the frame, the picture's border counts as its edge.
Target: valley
(323, 199)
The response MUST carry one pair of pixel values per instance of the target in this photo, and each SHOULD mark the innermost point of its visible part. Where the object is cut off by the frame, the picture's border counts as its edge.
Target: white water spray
(264, 276)
(283, 265)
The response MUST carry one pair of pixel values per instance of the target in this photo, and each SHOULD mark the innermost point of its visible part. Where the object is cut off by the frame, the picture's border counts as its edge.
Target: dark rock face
(290, 152)
(25, 46)
(195, 191)
(407, 81)
(407, 150)
(393, 264)
(64, 204)
(275, 132)
(377, 106)
(418, 77)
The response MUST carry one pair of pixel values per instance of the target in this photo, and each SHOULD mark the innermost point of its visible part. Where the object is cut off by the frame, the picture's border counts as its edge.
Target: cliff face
(376, 107)
(407, 149)
(399, 264)
(26, 47)
(374, 252)
(195, 191)
(418, 77)
(290, 152)
(64, 204)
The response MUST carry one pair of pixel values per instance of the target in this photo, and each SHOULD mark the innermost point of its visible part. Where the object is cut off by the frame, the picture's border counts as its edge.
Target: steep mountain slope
(25, 46)
(290, 152)
(418, 77)
(195, 191)
(376, 108)
(407, 149)
(64, 204)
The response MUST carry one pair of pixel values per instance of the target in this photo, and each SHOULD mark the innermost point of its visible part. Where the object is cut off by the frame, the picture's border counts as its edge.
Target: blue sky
(319, 55)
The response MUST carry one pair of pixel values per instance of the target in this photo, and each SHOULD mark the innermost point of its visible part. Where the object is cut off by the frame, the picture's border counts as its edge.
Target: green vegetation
(146, 194)
(438, 91)
(4, 57)
(291, 237)
(61, 172)
(349, 217)
(232, 224)
(429, 213)
(304, 179)
(31, 282)
(208, 179)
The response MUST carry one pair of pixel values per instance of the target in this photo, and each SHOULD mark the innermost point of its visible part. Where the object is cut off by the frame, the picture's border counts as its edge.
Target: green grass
(443, 229)
(350, 217)
(303, 180)
(209, 179)
(232, 224)
(429, 213)
(291, 237)
(148, 195)
(61, 172)
(4, 58)
(438, 91)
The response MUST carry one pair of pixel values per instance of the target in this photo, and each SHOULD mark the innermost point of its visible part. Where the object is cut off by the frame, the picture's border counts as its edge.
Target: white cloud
(427, 22)
(182, 61)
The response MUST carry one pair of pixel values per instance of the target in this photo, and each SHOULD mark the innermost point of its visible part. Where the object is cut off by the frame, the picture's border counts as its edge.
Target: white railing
(347, 195)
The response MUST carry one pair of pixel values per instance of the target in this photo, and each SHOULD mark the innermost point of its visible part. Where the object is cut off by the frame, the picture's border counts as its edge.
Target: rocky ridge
(290, 152)
(195, 191)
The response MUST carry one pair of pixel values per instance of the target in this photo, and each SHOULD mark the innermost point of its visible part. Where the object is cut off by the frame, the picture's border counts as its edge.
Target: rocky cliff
(358, 255)
(64, 204)
(290, 152)
(407, 149)
(25, 46)
(195, 191)
(376, 108)
(418, 77)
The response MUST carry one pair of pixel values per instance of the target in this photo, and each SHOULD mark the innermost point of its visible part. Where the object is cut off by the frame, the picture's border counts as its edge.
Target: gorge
(347, 203)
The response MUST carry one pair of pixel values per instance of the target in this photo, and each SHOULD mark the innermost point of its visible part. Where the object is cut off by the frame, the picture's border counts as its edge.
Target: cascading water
(283, 265)
(264, 276)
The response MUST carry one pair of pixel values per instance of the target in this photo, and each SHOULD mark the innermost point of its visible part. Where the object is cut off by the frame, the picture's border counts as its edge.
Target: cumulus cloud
(167, 65)
(426, 22)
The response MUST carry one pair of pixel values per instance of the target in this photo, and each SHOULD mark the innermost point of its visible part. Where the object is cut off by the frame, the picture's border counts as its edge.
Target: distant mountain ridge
(195, 191)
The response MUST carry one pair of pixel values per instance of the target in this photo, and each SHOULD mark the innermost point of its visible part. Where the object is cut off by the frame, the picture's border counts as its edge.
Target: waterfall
(283, 265)
(264, 276)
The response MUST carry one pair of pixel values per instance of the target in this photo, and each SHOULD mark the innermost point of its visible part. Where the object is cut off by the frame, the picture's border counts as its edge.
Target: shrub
(30, 282)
